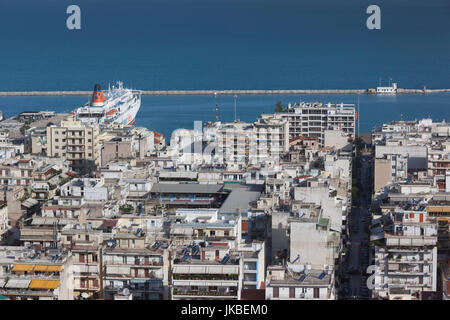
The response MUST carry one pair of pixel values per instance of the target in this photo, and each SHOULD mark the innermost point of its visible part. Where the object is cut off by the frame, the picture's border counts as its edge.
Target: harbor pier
(227, 92)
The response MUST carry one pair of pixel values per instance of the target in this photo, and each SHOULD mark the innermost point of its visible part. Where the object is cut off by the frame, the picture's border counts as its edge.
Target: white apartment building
(407, 264)
(241, 143)
(312, 119)
(3, 220)
(87, 188)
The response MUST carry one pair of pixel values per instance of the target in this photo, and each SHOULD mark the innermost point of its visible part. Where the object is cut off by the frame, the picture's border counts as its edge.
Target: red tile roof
(302, 138)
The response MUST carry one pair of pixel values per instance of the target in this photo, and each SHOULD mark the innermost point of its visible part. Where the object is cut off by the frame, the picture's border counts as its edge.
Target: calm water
(167, 113)
(226, 44)
(223, 44)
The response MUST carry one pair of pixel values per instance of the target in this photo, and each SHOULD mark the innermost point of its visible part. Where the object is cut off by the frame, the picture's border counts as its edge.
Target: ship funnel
(98, 98)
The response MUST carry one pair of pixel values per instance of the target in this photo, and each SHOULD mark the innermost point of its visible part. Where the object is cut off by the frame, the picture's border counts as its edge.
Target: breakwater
(226, 92)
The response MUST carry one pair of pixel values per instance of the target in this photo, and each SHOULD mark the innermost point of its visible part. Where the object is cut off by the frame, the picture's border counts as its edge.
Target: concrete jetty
(226, 92)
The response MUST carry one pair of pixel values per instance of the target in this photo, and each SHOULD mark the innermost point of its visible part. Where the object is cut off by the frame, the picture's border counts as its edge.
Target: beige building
(124, 143)
(383, 173)
(85, 245)
(74, 142)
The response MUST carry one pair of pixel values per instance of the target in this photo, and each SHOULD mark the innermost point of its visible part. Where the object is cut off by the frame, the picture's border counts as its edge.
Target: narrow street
(355, 266)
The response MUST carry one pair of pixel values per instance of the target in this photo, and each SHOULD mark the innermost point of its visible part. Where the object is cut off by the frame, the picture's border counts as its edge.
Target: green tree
(278, 107)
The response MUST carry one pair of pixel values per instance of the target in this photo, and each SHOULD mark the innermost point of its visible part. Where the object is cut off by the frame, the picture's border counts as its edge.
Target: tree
(278, 107)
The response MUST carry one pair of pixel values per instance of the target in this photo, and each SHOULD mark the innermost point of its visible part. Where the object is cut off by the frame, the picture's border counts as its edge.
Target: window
(276, 293)
(212, 233)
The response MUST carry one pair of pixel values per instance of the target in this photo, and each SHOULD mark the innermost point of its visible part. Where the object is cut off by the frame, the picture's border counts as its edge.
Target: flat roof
(240, 198)
(178, 174)
(187, 188)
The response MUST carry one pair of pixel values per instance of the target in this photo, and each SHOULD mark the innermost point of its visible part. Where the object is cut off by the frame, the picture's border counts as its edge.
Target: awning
(23, 267)
(44, 284)
(17, 283)
(39, 267)
(54, 268)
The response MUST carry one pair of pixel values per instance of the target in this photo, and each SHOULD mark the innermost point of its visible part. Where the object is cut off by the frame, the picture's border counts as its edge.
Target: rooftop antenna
(235, 117)
(217, 107)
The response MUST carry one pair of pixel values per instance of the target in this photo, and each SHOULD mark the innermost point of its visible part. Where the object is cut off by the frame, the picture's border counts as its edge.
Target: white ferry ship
(116, 105)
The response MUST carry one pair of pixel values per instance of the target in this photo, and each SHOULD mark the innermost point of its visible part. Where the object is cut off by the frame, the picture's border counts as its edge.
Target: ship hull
(129, 116)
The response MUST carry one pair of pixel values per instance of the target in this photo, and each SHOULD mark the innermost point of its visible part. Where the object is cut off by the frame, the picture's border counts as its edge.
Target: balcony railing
(204, 293)
(230, 277)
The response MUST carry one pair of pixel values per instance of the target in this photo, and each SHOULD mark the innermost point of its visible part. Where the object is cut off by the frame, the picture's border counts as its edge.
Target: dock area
(226, 92)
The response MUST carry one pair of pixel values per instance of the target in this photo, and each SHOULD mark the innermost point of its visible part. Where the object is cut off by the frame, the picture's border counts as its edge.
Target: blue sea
(167, 113)
(227, 44)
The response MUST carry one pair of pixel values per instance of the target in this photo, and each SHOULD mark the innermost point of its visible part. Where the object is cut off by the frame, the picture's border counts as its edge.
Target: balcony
(82, 288)
(206, 293)
(208, 277)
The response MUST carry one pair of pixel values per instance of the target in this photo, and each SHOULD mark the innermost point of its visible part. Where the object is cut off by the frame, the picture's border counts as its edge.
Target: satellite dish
(126, 292)
(85, 295)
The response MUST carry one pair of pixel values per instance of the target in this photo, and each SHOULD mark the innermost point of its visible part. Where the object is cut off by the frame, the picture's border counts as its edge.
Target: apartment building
(252, 265)
(205, 272)
(439, 167)
(3, 221)
(131, 264)
(125, 143)
(406, 263)
(313, 119)
(294, 282)
(30, 273)
(75, 142)
(85, 244)
(395, 161)
(243, 144)
(16, 172)
(439, 208)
